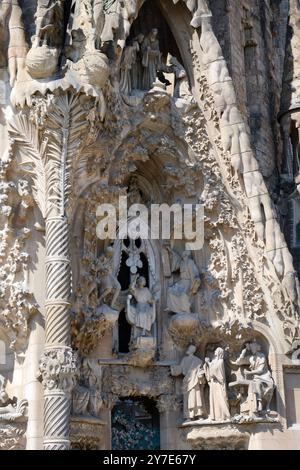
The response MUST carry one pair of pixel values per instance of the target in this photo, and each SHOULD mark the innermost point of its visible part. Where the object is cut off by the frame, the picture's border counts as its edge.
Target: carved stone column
(58, 361)
(58, 365)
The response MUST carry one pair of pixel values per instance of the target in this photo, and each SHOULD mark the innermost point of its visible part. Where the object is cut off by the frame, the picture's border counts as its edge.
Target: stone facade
(143, 342)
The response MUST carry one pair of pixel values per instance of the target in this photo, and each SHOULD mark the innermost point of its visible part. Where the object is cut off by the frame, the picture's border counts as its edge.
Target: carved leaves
(66, 125)
(49, 153)
(26, 142)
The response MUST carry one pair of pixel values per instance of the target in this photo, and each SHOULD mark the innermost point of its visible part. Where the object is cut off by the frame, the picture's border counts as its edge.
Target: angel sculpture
(142, 314)
(110, 287)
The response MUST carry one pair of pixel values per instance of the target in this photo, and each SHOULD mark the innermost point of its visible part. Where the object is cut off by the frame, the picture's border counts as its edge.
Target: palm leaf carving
(52, 165)
(66, 123)
(26, 141)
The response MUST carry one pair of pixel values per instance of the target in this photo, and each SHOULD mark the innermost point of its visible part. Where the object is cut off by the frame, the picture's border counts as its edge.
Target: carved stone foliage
(17, 304)
(93, 312)
(126, 381)
(92, 109)
(53, 128)
(86, 434)
(223, 437)
(58, 369)
(12, 436)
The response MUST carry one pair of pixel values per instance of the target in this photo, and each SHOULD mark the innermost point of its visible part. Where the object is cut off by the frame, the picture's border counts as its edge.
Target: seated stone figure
(261, 384)
(180, 294)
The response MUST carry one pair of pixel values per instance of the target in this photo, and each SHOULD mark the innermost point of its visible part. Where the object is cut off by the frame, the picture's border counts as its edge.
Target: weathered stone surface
(157, 104)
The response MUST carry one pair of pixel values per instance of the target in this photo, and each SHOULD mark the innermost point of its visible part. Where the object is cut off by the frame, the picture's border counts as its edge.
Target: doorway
(135, 424)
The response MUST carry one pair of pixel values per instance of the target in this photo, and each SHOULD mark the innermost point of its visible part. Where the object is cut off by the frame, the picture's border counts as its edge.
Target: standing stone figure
(215, 375)
(13, 45)
(179, 295)
(49, 19)
(128, 59)
(137, 68)
(182, 86)
(151, 59)
(109, 284)
(261, 385)
(193, 384)
(142, 314)
(118, 15)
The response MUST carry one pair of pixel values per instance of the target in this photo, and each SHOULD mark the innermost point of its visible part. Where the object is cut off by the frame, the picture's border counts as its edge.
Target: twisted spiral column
(57, 371)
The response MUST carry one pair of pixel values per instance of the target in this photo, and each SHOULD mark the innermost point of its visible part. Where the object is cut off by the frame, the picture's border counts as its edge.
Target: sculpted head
(154, 33)
(219, 353)
(191, 350)
(141, 282)
(140, 38)
(109, 251)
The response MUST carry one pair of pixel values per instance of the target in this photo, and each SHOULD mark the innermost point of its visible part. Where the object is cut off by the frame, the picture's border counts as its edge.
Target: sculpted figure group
(256, 383)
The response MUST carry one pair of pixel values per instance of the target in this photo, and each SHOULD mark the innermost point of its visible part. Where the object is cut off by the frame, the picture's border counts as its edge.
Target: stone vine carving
(94, 312)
